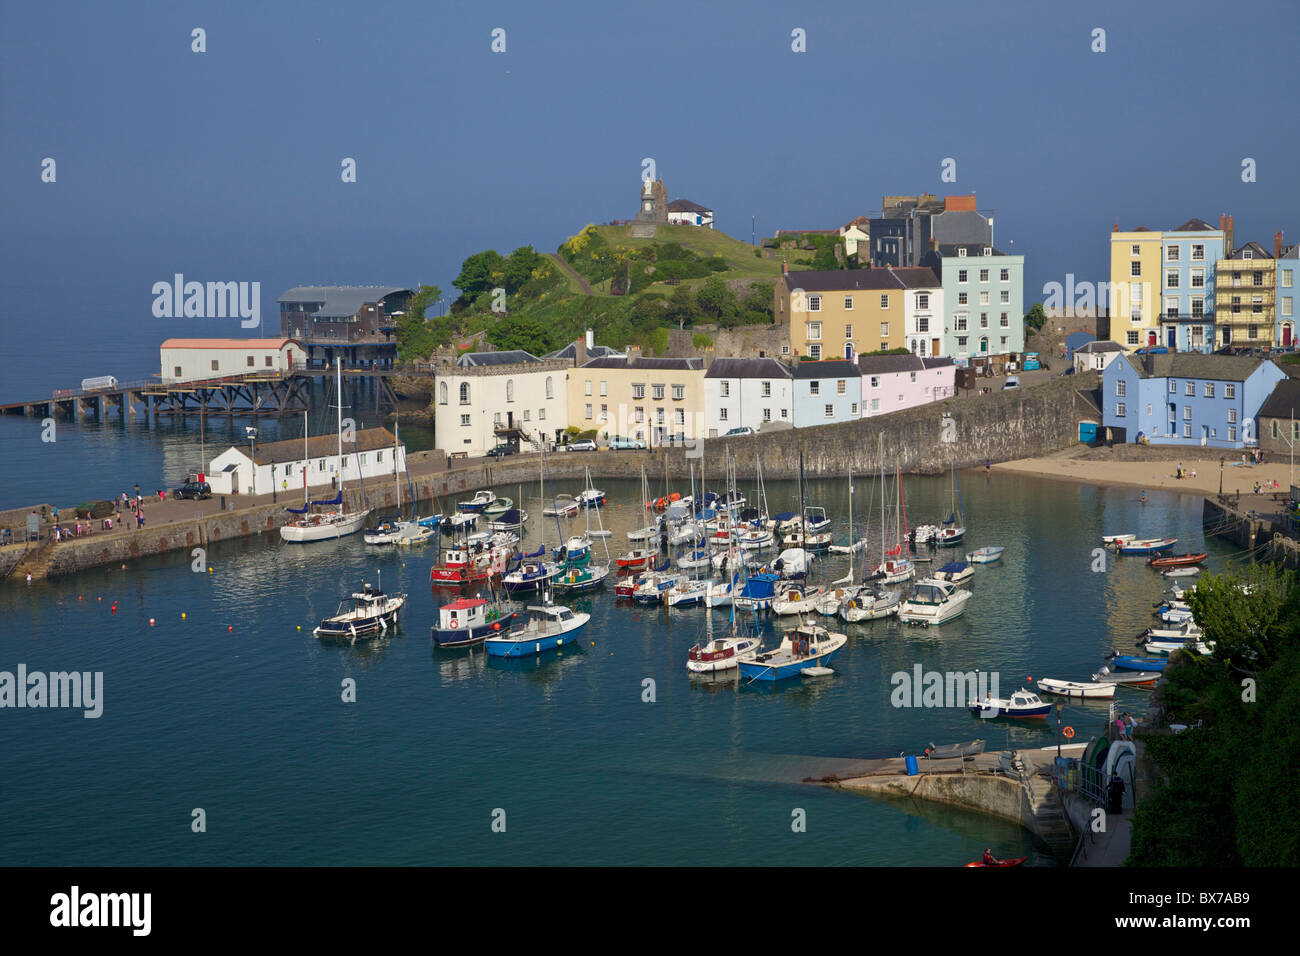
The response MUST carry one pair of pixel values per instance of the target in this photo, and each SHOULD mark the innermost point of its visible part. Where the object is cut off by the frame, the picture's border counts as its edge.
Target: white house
(187, 359)
(287, 465)
(500, 398)
(683, 212)
(1096, 355)
(750, 393)
(859, 230)
(923, 315)
(891, 383)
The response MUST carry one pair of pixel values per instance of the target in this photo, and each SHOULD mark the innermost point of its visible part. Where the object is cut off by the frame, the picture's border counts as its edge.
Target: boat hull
(326, 531)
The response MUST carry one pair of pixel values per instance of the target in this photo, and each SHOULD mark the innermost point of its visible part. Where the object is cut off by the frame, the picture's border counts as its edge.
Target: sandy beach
(1156, 474)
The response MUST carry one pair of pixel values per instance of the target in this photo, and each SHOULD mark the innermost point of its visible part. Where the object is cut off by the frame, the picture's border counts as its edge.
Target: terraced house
(826, 392)
(840, 313)
(1245, 298)
(1188, 258)
(658, 401)
(499, 398)
(1288, 269)
(983, 300)
(747, 393)
(1135, 260)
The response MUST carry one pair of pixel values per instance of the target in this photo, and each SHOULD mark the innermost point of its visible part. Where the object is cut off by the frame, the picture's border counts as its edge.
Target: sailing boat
(795, 598)
(579, 574)
(843, 589)
(693, 590)
(321, 526)
(894, 564)
(952, 532)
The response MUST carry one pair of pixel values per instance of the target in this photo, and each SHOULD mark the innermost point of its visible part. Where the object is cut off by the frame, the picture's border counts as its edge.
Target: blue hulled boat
(808, 645)
(758, 591)
(549, 626)
(1130, 663)
(530, 576)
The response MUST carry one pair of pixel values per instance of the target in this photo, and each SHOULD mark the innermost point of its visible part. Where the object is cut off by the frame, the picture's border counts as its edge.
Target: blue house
(827, 392)
(1186, 398)
(1189, 254)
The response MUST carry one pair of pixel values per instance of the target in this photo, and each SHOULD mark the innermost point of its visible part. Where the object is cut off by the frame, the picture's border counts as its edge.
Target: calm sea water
(237, 709)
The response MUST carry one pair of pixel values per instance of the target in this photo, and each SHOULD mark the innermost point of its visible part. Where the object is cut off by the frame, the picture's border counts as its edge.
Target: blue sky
(225, 165)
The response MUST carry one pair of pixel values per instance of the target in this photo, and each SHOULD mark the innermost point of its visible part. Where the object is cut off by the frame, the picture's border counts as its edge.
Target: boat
(414, 533)
(686, 532)
(473, 562)
(1082, 690)
(871, 604)
(894, 566)
(548, 626)
(757, 539)
(699, 558)
(387, 531)
(954, 751)
(655, 585)
(722, 654)
(1000, 863)
(466, 622)
(637, 559)
(1023, 704)
(924, 534)
(1127, 679)
(1147, 545)
(809, 541)
(955, 572)
(1187, 633)
(831, 600)
(1155, 646)
(512, 519)
(1129, 662)
(590, 496)
(563, 506)
(498, 506)
(687, 593)
(580, 574)
(1114, 540)
(793, 563)
(367, 612)
(984, 555)
(477, 503)
(644, 533)
(808, 645)
(581, 578)
(794, 599)
(1177, 560)
(576, 550)
(461, 521)
(530, 576)
(934, 602)
(719, 593)
(953, 529)
(1184, 572)
(757, 592)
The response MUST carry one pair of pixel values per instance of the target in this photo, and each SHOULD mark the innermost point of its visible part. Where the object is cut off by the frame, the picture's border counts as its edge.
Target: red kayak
(1177, 560)
(1016, 862)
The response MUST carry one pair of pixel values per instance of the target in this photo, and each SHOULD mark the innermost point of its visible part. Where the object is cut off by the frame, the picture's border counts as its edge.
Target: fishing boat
(1127, 679)
(498, 506)
(1022, 704)
(871, 604)
(722, 654)
(808, 645)
(934, 602)
(469, 621)
(1177, 560)
(1147, 545)
(530, 576)
(365, 613)
(512, 519)
(1079, 689)
(470, 563)
(563, 506)
(477, 504)
(1129, 662)
(984, 555)
(955, 572)
(548, 626)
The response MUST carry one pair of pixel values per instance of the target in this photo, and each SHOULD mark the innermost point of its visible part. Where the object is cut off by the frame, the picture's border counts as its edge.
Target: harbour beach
(1202, 473)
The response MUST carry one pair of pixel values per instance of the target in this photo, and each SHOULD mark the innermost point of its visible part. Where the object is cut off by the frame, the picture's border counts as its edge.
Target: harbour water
(238, 710)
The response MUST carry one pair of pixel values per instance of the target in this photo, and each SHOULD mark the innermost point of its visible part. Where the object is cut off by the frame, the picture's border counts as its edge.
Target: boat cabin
(465, 613)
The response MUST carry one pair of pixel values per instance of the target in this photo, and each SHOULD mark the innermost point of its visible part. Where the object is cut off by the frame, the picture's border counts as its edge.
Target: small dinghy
(1177, 560)
(984, 555)
(1184, 572)
(637, 559)
(816, 672)
(564, 506)
(1081, 690)
(1115, 540)
(1127, 679)
(498, 506)
(1147, 545)
(1129, 662)
(953, 751)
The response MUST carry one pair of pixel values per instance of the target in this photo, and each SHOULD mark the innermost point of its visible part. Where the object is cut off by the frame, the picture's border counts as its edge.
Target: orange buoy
(1069, 732)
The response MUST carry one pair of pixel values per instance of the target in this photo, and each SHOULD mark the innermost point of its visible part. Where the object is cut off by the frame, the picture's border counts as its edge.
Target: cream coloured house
(651, 400)
(499, 398)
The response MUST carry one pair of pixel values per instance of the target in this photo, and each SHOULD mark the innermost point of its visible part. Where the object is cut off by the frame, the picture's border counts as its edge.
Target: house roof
(937, 361)
(682, 364)
(685, 205)
(1284, 400)
(1099, 345)
(868, 280)
(227, 343)
(972, 249)
(1256, 251)
(339, 301)
(1194, 225)
(570, 351)
(746, 368)
(831, 368)
(884, 364)
(321, 446)
(508, 357)
(1219, 368)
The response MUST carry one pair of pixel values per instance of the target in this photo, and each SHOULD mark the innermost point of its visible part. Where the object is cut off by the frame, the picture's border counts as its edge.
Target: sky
(226, 165)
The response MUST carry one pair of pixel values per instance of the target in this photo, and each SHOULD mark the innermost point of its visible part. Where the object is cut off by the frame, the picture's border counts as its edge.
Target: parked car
(500, 451)
(582, 444)
(742, 430)
(197, 490)
(1011, 382)
(625, 444)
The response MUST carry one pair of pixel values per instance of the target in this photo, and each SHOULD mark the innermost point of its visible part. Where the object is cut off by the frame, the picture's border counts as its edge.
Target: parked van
(99, 383)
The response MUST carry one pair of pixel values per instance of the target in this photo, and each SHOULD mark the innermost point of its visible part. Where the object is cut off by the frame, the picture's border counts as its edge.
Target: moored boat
(469, 621)
(808, 645)
(548, 626)
(871, 604)
(1147, 545)
(1177, 560)
(1079, 689)
(1130, 662)
(934, 602)
(477, 503)
(1127, 678)
(722, 654)
(955, 572)
(367, 612)
(984, 555)
(1023, 704)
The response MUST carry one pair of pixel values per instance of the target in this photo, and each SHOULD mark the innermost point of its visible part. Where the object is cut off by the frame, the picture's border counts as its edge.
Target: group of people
(1262, 486)
(1125, 724)
(1183, 472)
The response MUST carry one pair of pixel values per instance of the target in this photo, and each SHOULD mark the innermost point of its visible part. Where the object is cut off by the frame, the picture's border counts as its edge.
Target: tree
(1035, 318)
(716, 299)
(479, 273)
(521, 333)
(682, 308)
(518, 268)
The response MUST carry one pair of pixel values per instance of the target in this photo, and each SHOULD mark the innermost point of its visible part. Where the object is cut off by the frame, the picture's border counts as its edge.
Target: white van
(98, 384)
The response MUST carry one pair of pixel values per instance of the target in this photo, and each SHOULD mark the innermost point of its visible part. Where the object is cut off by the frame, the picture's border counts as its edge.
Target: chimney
(1223, 222)
(1227, 238)
(1116, 229)
(580, 351)
(1277, 244)
(591, 340)
(785, 268)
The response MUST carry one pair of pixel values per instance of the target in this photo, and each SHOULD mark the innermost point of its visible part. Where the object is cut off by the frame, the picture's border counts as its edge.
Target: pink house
(891, 383)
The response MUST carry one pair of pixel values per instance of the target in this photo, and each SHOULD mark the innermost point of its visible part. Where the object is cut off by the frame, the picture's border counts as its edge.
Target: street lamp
(1059, 707)
(251, 432)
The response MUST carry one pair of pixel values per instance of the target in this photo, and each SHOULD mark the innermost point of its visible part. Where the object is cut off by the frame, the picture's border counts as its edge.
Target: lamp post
(251, 432)
(1059, 707)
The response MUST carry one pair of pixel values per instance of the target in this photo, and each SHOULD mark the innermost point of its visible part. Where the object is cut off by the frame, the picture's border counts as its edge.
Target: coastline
(1154, 474)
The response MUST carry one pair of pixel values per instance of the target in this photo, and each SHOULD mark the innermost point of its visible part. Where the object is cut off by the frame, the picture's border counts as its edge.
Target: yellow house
(1135, 287)
(842, 313)
(650, 400)
(1245, 305)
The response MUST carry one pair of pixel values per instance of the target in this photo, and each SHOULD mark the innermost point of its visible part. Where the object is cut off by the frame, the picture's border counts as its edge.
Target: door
(1151, 339)
(1286, 336)
(1173, 337)
(934, 346)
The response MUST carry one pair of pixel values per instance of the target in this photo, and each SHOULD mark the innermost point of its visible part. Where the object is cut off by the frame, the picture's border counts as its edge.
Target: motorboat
(955, 572)
(1147, 545)
(1115, 540)
(581, 578)
(498, 506)
(722, 654)
(575, 551)
(984, 555)
(646, 533)
(548, 626)
(934, 602)
(387, 531)
(413, 533)
(755, 539)
(562, 506)
(366, 613)
(512, 519)
(1177, 560)
(590, 498)
(1130, 662)
(686, 532)
(871, 604)
(1082, 690)
(1022, 704)
(469, 621)
(796, 599)
(806, 646)
(461, 521)
(1189, 571)
(477, 504)
(1127, 678)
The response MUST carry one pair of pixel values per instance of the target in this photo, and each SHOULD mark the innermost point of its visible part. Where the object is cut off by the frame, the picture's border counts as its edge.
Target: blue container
(911, 766)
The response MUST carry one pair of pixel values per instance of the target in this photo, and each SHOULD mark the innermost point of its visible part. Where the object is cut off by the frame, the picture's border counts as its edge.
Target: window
(464, 393)
(251, 361)
(1121, 410)
(1252, 331)
(988, 251)
(1187, 413)
(1197, 278)
(1004, 297)
(923, 323)
(1232, 433)
(884, 301)
(550, 387)
(913, 376)
(1198, 306)
(541, 414)
(214, 365)
(815, 352)
(1005, 320)
(1171, 307)
(830, 411)
(1257, 278)
(1189, 388)
(679, 392)
(984, 298)
(587, 411)
(1209, 389)
(766, 389)
(176, 372)
(1187, 430)
(510, 390)
(960, 319)
(961, 276)
(1173, 386)
(268, 361)
(1248, 254)
(984, 320)
(961, 252)
(1135, 250)
(722, 414)
(783, 411)
(1121, 388)
(680, 416)
(963, 298)
(814, 303)
(875, 381)
(464, 420)
(961, 342)
(496, 418)
(785, 350)
(839, 387)
(1132, 338)
(767, 414)
(875, 404)
(639, 415)
(604, 390)
(586, 387)
(814, 331)
(724, 389)
(848, 303)
(1198, 252)
(1286, 278)
(848, 331)
(1171, 253)
(1286, 305)
(1148, 408)
(984, 275)
(659, 415)
(638, 390)
(1135, 268)
(814, 388)
(1004, 275)
(854, 409)
(657, 392)
(604, 412)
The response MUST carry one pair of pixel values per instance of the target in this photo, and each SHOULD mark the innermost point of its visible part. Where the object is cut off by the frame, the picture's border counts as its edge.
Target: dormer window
(1248, 254)
(988, 250)
(961, 252)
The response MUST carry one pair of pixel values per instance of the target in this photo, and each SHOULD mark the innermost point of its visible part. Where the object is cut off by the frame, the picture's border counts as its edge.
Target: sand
(1156, 475)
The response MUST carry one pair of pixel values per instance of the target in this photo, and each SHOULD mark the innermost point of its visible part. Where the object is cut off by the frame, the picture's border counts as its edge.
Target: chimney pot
(1116, 229)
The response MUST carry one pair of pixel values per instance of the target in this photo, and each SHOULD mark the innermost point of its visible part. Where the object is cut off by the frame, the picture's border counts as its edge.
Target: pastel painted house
(891, 383)
(747, 393)
(982, 304)
(286, 466)
(1186, 398)
(1094, 356)
(826, 392)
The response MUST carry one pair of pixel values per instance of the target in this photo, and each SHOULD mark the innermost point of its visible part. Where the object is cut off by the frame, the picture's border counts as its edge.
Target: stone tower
(654, 202)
